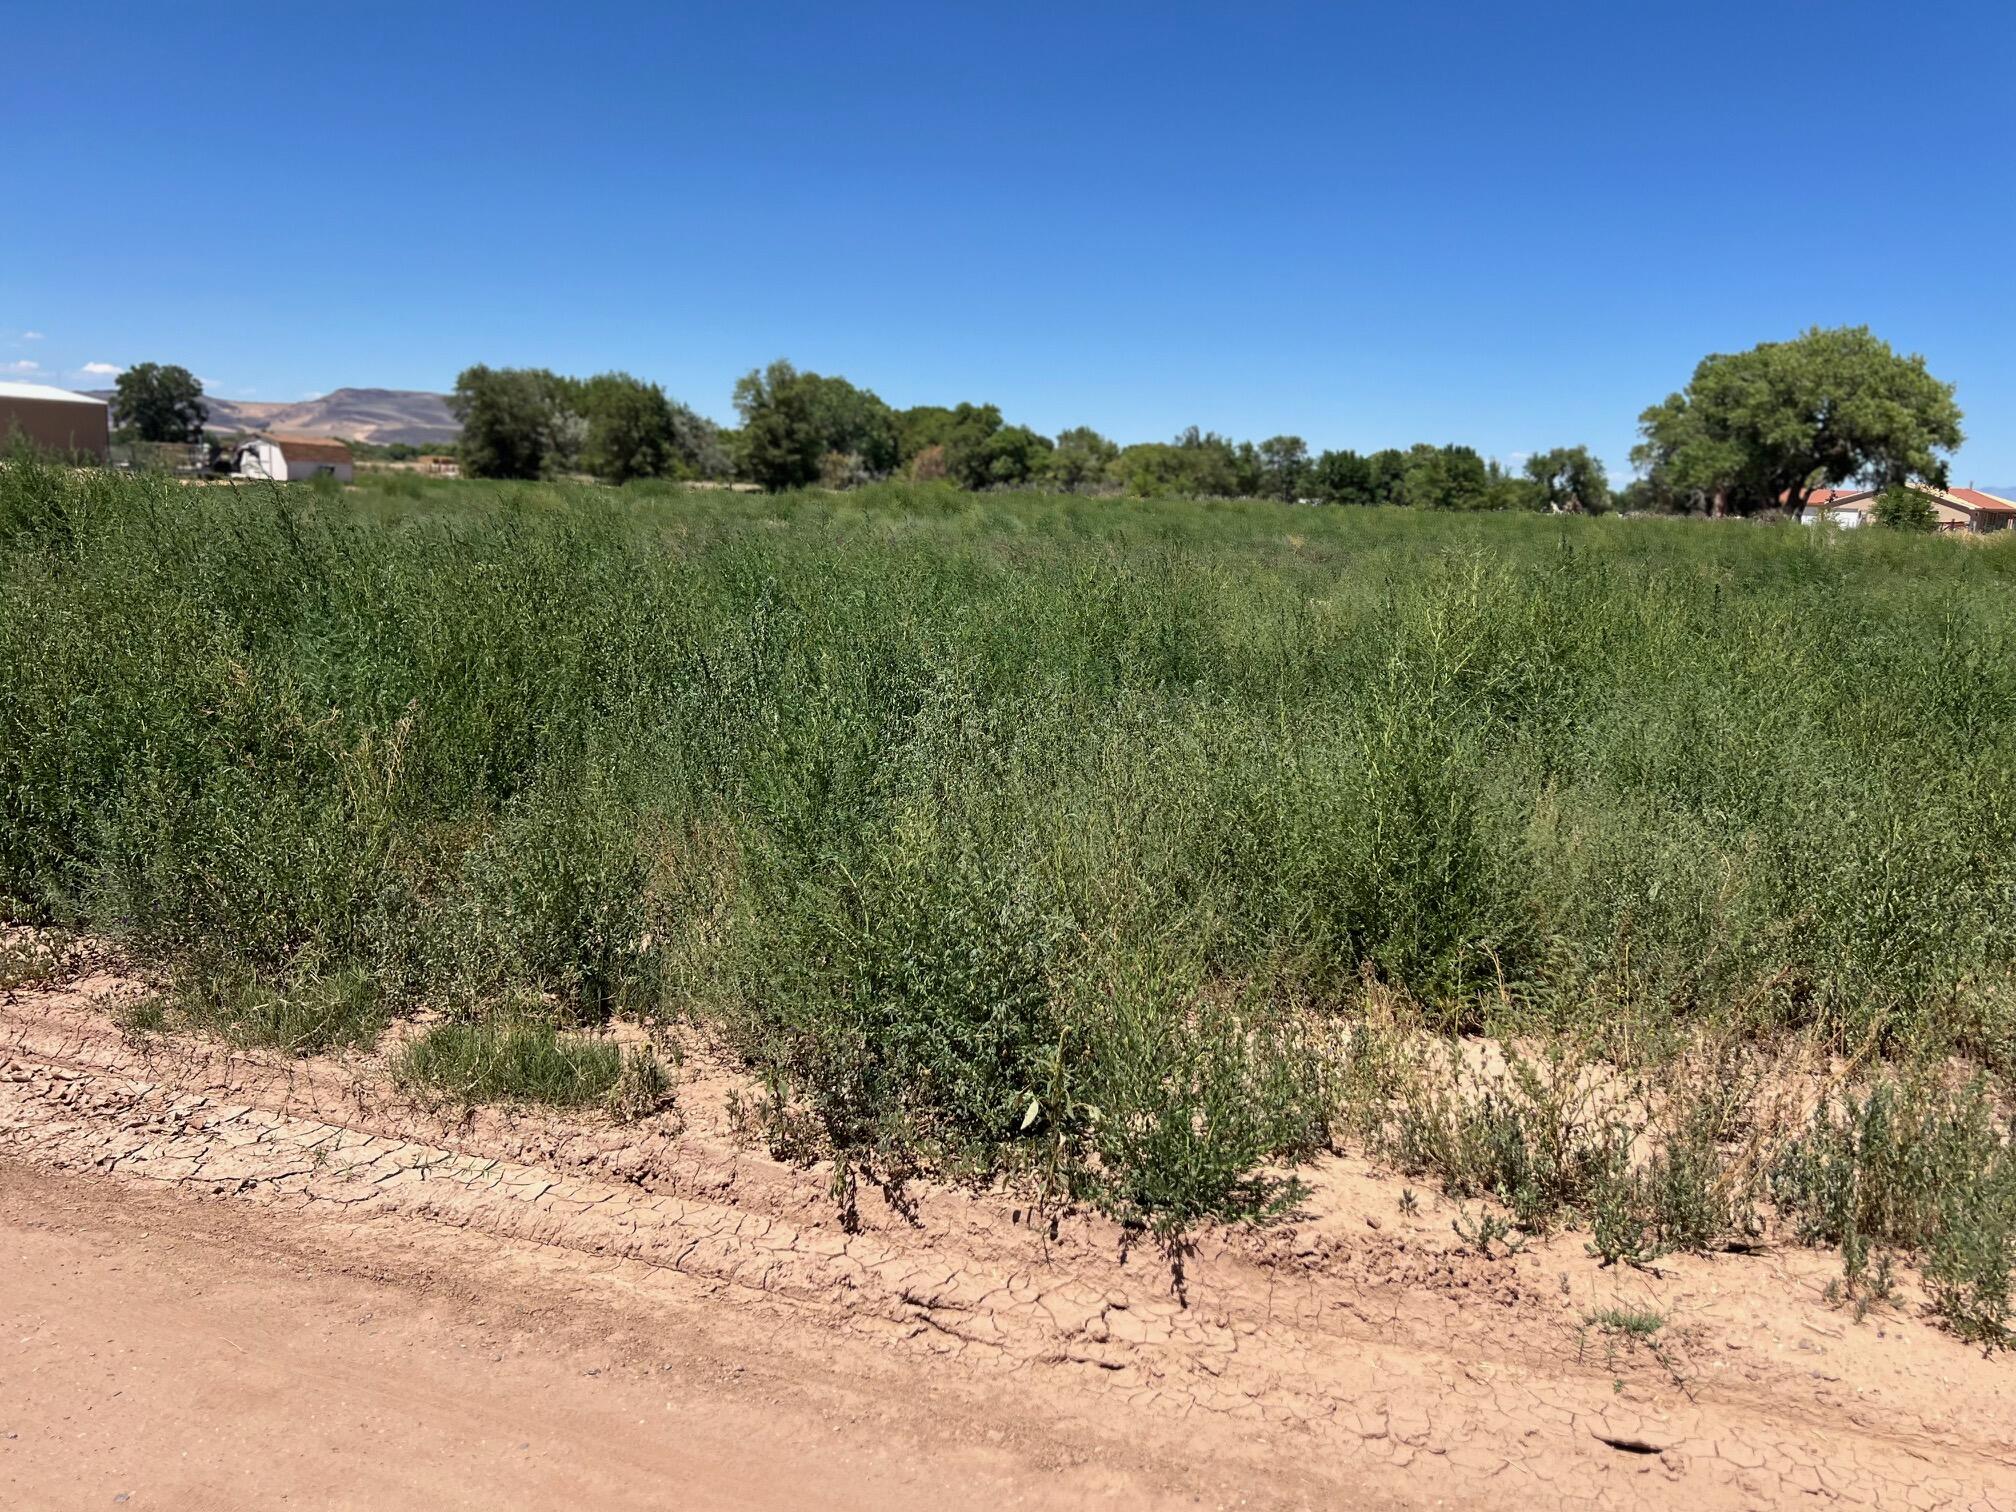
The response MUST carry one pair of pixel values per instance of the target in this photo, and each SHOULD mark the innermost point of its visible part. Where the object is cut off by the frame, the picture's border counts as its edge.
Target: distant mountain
(380, 416)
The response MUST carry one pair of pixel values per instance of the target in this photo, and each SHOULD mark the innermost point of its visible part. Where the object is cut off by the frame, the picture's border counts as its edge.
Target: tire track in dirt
(1464, 1392)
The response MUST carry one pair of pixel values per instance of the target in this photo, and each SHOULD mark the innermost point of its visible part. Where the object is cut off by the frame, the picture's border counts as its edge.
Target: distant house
(1845, 507)
(1957, 510)
(289, 459)
(55, 419)
(440, 467)
(1972, 510)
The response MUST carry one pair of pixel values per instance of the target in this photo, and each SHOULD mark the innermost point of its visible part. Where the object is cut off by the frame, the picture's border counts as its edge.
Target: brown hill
(380, 416)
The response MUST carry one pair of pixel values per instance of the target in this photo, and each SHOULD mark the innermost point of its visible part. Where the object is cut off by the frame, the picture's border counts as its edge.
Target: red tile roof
(1987, 503)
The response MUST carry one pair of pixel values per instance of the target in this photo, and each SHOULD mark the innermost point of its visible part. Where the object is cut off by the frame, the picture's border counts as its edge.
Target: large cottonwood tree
(1766, 427)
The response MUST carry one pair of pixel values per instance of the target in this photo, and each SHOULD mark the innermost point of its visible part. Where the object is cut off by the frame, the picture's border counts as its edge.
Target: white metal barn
(290, 459)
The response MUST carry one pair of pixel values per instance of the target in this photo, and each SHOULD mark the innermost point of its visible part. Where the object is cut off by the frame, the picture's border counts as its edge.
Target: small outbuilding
(290, 459)
(55, 420)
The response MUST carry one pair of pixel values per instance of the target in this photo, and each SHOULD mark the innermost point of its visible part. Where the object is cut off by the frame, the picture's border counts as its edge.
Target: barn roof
(44, 391)
(311, 448)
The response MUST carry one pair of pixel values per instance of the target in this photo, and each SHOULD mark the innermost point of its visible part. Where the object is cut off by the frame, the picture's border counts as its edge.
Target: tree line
(803, 429)
(1752, 432)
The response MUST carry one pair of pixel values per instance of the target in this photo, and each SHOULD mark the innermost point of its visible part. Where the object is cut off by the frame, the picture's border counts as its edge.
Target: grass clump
(343, 1010)
(523, 1061)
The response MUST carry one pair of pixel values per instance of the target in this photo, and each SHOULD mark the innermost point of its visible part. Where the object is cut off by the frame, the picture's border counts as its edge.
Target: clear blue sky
(1368, 224)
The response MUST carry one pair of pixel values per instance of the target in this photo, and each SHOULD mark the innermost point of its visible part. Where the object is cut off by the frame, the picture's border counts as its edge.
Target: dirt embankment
(553, 1309)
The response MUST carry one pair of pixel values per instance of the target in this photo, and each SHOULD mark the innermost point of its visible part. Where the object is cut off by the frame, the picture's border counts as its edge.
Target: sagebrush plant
(1010, 833)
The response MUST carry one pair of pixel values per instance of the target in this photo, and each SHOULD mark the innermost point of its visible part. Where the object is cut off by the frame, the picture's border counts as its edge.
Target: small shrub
(29, 957)
(641, 1087)
(1918, 1165)
(1620, 1229)
(1535, 1136)
(1970, 1259)
(1631, 1322)
(144, 1015)
(1902, 508)
(1186, 1095)
(1484, 1231)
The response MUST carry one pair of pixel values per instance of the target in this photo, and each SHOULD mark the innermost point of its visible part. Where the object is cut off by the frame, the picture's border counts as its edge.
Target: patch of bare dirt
(1359, 1355)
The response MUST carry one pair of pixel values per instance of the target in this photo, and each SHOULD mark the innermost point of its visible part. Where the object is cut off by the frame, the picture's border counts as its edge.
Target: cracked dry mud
(967, 1353)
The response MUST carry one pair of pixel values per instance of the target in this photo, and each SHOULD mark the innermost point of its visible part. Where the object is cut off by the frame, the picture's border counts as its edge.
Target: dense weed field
(1134, 848)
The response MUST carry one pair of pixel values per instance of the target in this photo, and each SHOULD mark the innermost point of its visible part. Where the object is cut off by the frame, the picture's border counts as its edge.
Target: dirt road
(237, 1280)
(159, 1356)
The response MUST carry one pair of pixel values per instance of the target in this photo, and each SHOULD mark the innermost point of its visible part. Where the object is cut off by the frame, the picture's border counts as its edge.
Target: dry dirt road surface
(160, 1356)
(233, 1280)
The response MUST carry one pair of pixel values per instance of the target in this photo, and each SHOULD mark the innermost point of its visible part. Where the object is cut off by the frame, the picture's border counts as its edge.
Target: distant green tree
(1425, 482)
(629, 429)
(782, 445)
(1444, 477)
(1197, 464)
(157, 402)
(517, 422)
(1510, 491)
(1249, 472)
(854, 420)
(1342, 477)
(921, 426)
(966, 432)
(726, 454)
(700, 448)
(1387, 468)
(1902, 508)
(1213, 467)
(1284, 468)
(1081, 459)
(1148, 469)
(1469, 478)
(1762, 429)
(1013, 457)
(792, 420)
(1568, 478)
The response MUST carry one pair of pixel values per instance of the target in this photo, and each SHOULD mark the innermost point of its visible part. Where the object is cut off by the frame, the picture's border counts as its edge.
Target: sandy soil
(232, 1280)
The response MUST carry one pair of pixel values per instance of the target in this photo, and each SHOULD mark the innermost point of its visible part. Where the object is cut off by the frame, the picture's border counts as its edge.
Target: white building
(289, 459)
(1844, 507)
